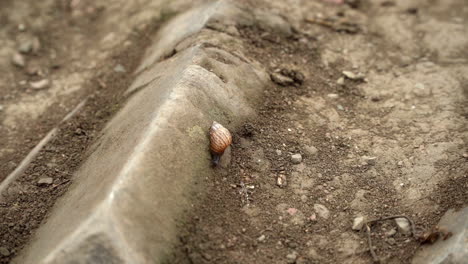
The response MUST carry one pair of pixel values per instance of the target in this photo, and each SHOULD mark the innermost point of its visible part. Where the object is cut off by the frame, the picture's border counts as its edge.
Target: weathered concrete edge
(126, 199)
(454, 249)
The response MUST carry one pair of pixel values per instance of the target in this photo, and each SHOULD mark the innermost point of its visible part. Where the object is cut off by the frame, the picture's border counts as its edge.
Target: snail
(220, 139)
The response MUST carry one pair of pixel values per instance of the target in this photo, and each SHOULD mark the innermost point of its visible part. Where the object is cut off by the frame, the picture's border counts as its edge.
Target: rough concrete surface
(141, 172)
(453, 249)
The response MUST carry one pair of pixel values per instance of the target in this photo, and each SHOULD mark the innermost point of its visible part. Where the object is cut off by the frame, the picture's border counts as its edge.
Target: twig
(342, 26)
(320, 22)
(62, 183)
(371, 247)
(368, 229)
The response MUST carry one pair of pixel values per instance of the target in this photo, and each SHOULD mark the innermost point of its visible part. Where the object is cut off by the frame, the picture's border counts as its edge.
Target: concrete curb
(453, 249)
(128, 196)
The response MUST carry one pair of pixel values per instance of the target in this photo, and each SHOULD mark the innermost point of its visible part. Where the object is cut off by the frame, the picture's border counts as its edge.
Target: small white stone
(261, 238)
(21, 27)
(403, 225)
(281, 180)
(333, 96)
(390, 233)
(40, 84)
(296, 158)
(369, 160)
(340, 81)
(291, 258)
(349, 74)
(119, 68)
(18, 60)
(45, 181)
(358, 223)
(311, 150)
(322, 211)
(278, 152)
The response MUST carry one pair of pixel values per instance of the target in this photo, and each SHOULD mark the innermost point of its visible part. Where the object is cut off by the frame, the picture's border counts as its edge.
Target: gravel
(280, 79)
(311, 150)
(42, 84)
(45, 181)
(358, 223)
(403, 225)
(261, 238)
(18, 60)
(4, 251)
(291, 258)
(322, 211)
(296, 158)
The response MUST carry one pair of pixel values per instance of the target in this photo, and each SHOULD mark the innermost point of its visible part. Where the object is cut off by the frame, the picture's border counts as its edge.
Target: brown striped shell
(220, 138)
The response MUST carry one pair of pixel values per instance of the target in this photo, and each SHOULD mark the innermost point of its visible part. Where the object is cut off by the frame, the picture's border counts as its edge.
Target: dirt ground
(390, 140)
(85, 56)
(387, 137)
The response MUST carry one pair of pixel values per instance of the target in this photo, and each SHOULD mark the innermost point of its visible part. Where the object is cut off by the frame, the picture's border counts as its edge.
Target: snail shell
(220, 138)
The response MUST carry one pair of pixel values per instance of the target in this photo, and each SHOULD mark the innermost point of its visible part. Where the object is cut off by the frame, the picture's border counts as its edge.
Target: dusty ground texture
(82, 52)
(390, 143)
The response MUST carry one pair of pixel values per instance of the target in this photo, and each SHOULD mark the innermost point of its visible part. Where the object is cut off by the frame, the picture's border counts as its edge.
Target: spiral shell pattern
(220, 138)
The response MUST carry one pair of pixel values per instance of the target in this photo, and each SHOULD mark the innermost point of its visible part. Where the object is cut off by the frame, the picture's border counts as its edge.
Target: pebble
(333, 96)
(369, 160)
(33, 69)
(301, 260)
(358, 223)
(291, 211)
(4, 251)
(353, 76)
(340, 107)
(313, 217)
(403, 225)
(311, 150)
(25, 47)
(18, 60)
(29, 44)
(322, 211)
(280, 79)
(261, 238)
(21, 27)
(390, 233)
(278, 152)
(340, 81)
(119, 68)
(40, 84)
(281, 181)
(45, 181)
(1, 108)
(291, 258)
(296, 158)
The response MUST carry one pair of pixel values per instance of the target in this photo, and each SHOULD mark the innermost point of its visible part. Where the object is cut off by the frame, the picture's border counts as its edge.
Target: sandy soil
(84, 54)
